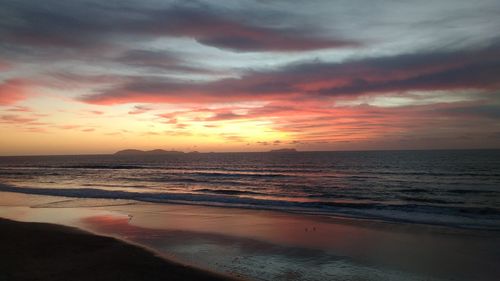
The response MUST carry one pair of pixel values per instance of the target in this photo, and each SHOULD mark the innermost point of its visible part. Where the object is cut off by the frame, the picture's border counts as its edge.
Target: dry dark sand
(40, 251)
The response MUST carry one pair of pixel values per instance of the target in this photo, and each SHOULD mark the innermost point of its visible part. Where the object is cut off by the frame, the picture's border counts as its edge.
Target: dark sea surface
(458, 188)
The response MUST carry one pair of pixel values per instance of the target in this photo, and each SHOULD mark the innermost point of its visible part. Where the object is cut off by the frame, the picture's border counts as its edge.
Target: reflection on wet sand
(273, 244)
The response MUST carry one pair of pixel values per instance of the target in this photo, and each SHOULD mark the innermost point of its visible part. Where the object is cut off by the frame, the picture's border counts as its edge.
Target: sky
(89, 76)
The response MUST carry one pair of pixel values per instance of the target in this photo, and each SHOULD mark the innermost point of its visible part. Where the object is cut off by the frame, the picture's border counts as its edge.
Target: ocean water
(456, 188)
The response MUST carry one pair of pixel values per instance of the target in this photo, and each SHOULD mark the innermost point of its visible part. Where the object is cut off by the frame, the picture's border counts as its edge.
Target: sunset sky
(100, 76)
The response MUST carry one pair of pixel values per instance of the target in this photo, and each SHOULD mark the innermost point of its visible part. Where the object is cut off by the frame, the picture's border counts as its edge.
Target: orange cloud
(15, 119)
(20, 109)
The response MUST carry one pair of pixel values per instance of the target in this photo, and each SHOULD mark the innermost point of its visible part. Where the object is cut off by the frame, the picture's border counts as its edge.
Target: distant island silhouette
(137, 152)
(134, 152)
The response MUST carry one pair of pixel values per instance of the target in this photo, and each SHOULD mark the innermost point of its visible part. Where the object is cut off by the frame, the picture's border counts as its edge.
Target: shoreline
(343, 211)
(46, 251)
(273, 245)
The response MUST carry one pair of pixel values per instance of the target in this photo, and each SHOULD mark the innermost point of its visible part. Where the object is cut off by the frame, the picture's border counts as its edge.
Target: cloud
(139, 109)
(4, 65)
(20, 109)
(479, 75)
(225, 116)
(232, 35)
(452, 70)
(68, 127)
(13, 90)
(162, 60)
(318, 123)
(232, 138)
(490, 111)
(95, 26)
(231, 30)
(16, 119)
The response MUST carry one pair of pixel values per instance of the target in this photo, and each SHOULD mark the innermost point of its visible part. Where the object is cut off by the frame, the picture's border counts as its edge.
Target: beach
(40, 251)
(253, 244)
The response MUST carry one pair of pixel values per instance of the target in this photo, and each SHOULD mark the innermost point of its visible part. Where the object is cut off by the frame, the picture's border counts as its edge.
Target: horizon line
(267, 151)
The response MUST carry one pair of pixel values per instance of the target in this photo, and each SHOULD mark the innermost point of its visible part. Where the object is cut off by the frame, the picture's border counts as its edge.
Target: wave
(180, 179)
(236, 175)
(202, 173)
(430, 200)
(465, 191)
(413, 190)
(454, 216)
(111, 167)
(228, 191)
(86, 167)
(435, 174)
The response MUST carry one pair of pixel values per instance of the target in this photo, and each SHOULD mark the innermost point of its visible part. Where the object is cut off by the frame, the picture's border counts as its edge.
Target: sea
(453, 188)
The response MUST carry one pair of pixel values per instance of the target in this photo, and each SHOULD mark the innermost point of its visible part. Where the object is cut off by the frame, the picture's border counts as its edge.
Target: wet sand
(40, 251)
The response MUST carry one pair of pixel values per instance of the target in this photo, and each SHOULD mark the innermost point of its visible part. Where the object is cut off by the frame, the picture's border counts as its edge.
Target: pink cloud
(13, 90)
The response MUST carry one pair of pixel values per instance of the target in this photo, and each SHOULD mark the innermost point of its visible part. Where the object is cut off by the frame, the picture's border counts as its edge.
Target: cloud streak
(220, 28)
(454, 70)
